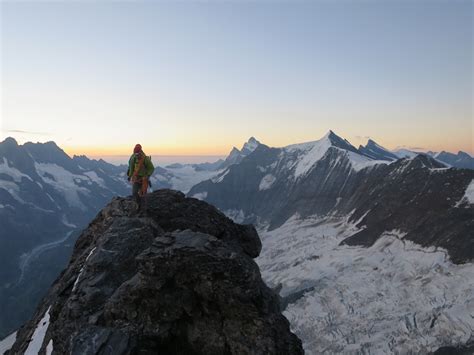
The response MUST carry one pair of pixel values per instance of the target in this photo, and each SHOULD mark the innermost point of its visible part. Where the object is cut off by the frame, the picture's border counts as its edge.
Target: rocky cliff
(179, 278)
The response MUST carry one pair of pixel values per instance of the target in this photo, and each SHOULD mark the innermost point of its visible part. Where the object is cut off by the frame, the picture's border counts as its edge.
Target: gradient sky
(200, 77)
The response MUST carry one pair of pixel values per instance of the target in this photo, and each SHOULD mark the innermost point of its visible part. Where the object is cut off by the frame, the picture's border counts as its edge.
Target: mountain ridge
(149, 297)
(331, 181)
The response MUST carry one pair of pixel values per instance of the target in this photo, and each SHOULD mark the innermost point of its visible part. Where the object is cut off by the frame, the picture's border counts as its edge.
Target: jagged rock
(178, 279)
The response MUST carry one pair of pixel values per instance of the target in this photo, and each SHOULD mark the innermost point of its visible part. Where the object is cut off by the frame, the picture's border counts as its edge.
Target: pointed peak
(250, 146)
(334, 138)
(329, 134)
(372, 143)
(340, 142)
(427, 161)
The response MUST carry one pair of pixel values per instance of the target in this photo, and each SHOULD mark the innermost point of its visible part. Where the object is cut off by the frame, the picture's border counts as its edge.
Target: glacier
(393, 297)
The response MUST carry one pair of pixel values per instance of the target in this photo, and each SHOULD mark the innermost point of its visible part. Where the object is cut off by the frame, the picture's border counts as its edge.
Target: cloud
(27, 132)
(362, 137)
(411, 148)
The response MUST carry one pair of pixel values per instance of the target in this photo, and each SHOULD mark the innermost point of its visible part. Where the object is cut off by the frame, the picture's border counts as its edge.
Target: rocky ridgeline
(178, 279)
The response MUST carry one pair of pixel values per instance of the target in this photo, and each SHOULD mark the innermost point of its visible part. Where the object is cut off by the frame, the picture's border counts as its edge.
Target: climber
(139, 171)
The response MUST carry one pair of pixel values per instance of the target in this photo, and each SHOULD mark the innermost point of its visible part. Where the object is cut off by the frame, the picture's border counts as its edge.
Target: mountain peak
(163, 282)
(10, 141)
(329, 134)
(340, 142)
(234, 150)
(48, 152)
(250, 146)
(464, 154)
(375, 151)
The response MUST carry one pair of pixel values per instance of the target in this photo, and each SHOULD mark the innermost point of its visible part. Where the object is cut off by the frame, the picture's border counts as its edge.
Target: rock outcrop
(178, 278)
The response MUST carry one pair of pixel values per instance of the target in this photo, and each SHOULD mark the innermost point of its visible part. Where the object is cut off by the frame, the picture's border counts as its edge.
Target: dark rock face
(179, 278)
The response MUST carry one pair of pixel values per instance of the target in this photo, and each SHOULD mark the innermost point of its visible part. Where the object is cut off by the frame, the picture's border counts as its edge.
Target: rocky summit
(178, 278)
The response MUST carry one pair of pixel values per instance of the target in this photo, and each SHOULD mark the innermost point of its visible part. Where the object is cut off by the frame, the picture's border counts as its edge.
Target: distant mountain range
(47, 198)
(324, 209)
(330, 176)
(367, 249)
(460, 160)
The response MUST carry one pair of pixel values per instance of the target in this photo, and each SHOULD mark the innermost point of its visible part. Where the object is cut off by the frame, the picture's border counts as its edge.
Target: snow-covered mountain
(372, 256)
(267, 183)
(376, 151)
(460, 160)
(406, 153)
(45, 197)
(235, 156)
(183, 177)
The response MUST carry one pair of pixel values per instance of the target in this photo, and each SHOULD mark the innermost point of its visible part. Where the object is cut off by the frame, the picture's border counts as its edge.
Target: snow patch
(14, 173)
(13, 189)
(219, 178)
(49, 348)
(468, 195)
(95, 178)
(359, 162)
(82, 270)
(38, 336)
(309, 154)
(7, 343)
(251, 145)
(238, 216)
(200, 195)
(267, 182)
(64, 181)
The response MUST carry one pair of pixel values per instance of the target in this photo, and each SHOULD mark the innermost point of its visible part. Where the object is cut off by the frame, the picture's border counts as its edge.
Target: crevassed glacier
(394, 297)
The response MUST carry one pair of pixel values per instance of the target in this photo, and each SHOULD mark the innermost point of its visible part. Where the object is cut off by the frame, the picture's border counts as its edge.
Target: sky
(198, 77)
